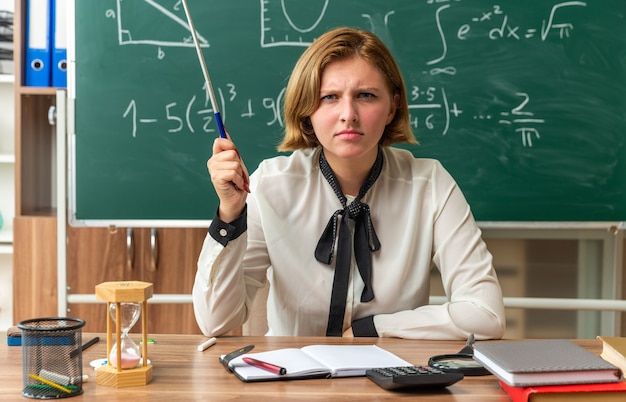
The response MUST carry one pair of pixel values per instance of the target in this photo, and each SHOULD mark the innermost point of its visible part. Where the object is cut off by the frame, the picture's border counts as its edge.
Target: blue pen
(205, 71)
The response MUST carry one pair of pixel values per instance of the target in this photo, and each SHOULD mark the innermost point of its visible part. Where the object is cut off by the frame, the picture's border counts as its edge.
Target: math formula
(438, 104)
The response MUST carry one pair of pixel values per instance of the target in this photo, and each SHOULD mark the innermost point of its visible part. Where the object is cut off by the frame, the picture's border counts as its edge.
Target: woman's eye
(328, 97)
(366, 95)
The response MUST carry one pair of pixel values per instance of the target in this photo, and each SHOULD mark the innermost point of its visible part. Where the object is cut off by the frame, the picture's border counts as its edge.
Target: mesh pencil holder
(52, 359)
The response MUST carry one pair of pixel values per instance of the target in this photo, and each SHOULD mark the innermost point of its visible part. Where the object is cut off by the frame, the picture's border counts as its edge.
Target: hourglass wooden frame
(124, 292)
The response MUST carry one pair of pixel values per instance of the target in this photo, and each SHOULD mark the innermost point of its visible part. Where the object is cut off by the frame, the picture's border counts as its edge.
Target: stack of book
(6, 42)
(614, 351)
(551, 370)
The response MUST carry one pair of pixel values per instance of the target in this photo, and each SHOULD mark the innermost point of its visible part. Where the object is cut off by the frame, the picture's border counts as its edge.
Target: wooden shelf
(38, 90)
(7, 158)
(7, 78)
(40, 212)
(6, 236)
(6, 240)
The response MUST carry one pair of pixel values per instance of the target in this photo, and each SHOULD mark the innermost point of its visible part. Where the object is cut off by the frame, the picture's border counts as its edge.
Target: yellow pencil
(50, 383)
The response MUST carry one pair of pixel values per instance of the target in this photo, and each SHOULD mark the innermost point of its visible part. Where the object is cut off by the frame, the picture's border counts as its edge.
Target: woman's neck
(351, 174)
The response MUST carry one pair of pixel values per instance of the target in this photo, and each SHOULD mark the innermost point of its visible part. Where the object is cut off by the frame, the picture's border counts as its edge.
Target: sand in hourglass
(131, 353)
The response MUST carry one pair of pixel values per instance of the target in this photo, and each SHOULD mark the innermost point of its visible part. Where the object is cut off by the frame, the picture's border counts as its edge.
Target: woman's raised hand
(229, 177)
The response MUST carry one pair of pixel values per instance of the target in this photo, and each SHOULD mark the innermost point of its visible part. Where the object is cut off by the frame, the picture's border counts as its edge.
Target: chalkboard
(524, 102)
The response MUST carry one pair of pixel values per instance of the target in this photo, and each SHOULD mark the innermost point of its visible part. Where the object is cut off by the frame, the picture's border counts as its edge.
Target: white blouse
(422, 221)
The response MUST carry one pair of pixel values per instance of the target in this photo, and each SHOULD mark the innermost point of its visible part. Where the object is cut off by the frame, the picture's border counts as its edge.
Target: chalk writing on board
(432, 108)
(506, 29)
(182, 115)
(175, 30)
(279, 29)
(499, 27)
(522, 120)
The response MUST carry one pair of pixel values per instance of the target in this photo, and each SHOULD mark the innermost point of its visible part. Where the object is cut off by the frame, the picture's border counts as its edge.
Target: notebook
(604, 392)
(316, 361)
(614, 350)
(544, 362)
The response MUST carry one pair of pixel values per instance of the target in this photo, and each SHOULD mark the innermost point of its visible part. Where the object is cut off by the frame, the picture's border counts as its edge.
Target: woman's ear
(394, 107)
(307, 126)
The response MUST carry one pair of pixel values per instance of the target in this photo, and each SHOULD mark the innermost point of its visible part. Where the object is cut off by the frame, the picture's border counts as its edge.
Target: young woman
(346, 228)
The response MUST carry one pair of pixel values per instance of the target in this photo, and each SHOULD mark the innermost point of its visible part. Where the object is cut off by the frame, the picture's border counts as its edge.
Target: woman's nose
(349, 111)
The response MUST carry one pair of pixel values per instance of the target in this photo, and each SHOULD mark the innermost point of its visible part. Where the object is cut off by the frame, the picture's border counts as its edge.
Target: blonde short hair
(303, 89)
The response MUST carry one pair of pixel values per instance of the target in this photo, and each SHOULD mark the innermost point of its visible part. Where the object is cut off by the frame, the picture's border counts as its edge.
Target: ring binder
(37, 66)
(59, 44)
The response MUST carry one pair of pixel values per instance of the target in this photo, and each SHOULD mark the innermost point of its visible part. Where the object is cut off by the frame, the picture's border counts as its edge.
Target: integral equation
(434, 108)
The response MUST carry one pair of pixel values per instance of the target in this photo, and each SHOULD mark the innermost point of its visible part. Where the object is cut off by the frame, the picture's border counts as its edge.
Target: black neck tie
(365, 241)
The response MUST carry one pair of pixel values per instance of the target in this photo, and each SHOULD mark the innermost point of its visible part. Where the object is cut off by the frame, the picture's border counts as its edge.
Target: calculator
(406, 377)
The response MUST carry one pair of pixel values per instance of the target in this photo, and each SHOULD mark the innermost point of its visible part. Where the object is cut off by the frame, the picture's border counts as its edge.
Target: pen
(85, 345)
(207, 344)
(50, 383)
(265, 366)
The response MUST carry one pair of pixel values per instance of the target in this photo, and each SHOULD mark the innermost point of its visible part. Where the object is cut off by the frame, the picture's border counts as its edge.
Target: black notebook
(544, 362)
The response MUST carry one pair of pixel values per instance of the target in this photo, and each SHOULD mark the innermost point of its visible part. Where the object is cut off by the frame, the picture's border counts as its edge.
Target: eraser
(14, 340)
(14, 336)
(14, 331)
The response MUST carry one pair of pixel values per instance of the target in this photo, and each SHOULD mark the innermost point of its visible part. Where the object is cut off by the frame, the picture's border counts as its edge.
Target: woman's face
(355, 106)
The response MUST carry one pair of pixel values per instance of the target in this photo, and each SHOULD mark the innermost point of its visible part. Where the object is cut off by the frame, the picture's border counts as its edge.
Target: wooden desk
(181, 372)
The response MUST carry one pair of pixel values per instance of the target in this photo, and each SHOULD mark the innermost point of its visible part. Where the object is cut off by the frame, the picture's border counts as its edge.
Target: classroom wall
(542, 268)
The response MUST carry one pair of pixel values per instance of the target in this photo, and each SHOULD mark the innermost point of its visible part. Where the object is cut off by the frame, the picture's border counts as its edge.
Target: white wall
(8, 5)
(7, 199)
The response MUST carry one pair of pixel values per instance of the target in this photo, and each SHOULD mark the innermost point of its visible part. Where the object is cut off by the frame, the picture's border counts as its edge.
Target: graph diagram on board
(280, 27)
(136, 22)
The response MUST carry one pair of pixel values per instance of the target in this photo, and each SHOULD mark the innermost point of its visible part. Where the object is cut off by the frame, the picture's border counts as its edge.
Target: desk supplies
(407, 377)
(126, 301)
(614, 351)
(207, 344)
(14, 336)
(191, 375)
(50, 383)
(62, 379)
(225, 360)
(84, 346)
(605, 392)
(316, 361)
(48, 370)
(462, 362)
(544, 362)
(272, 368)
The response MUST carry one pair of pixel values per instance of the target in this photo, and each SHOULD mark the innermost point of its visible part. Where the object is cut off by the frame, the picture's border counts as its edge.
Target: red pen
(265, 366)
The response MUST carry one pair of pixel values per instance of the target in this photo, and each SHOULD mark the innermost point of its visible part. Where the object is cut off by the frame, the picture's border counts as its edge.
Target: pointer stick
(207, 79)
(205, 71)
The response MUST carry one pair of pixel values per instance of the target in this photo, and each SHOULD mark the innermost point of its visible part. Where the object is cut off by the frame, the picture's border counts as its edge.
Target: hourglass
(126, 302)
(129, 314)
